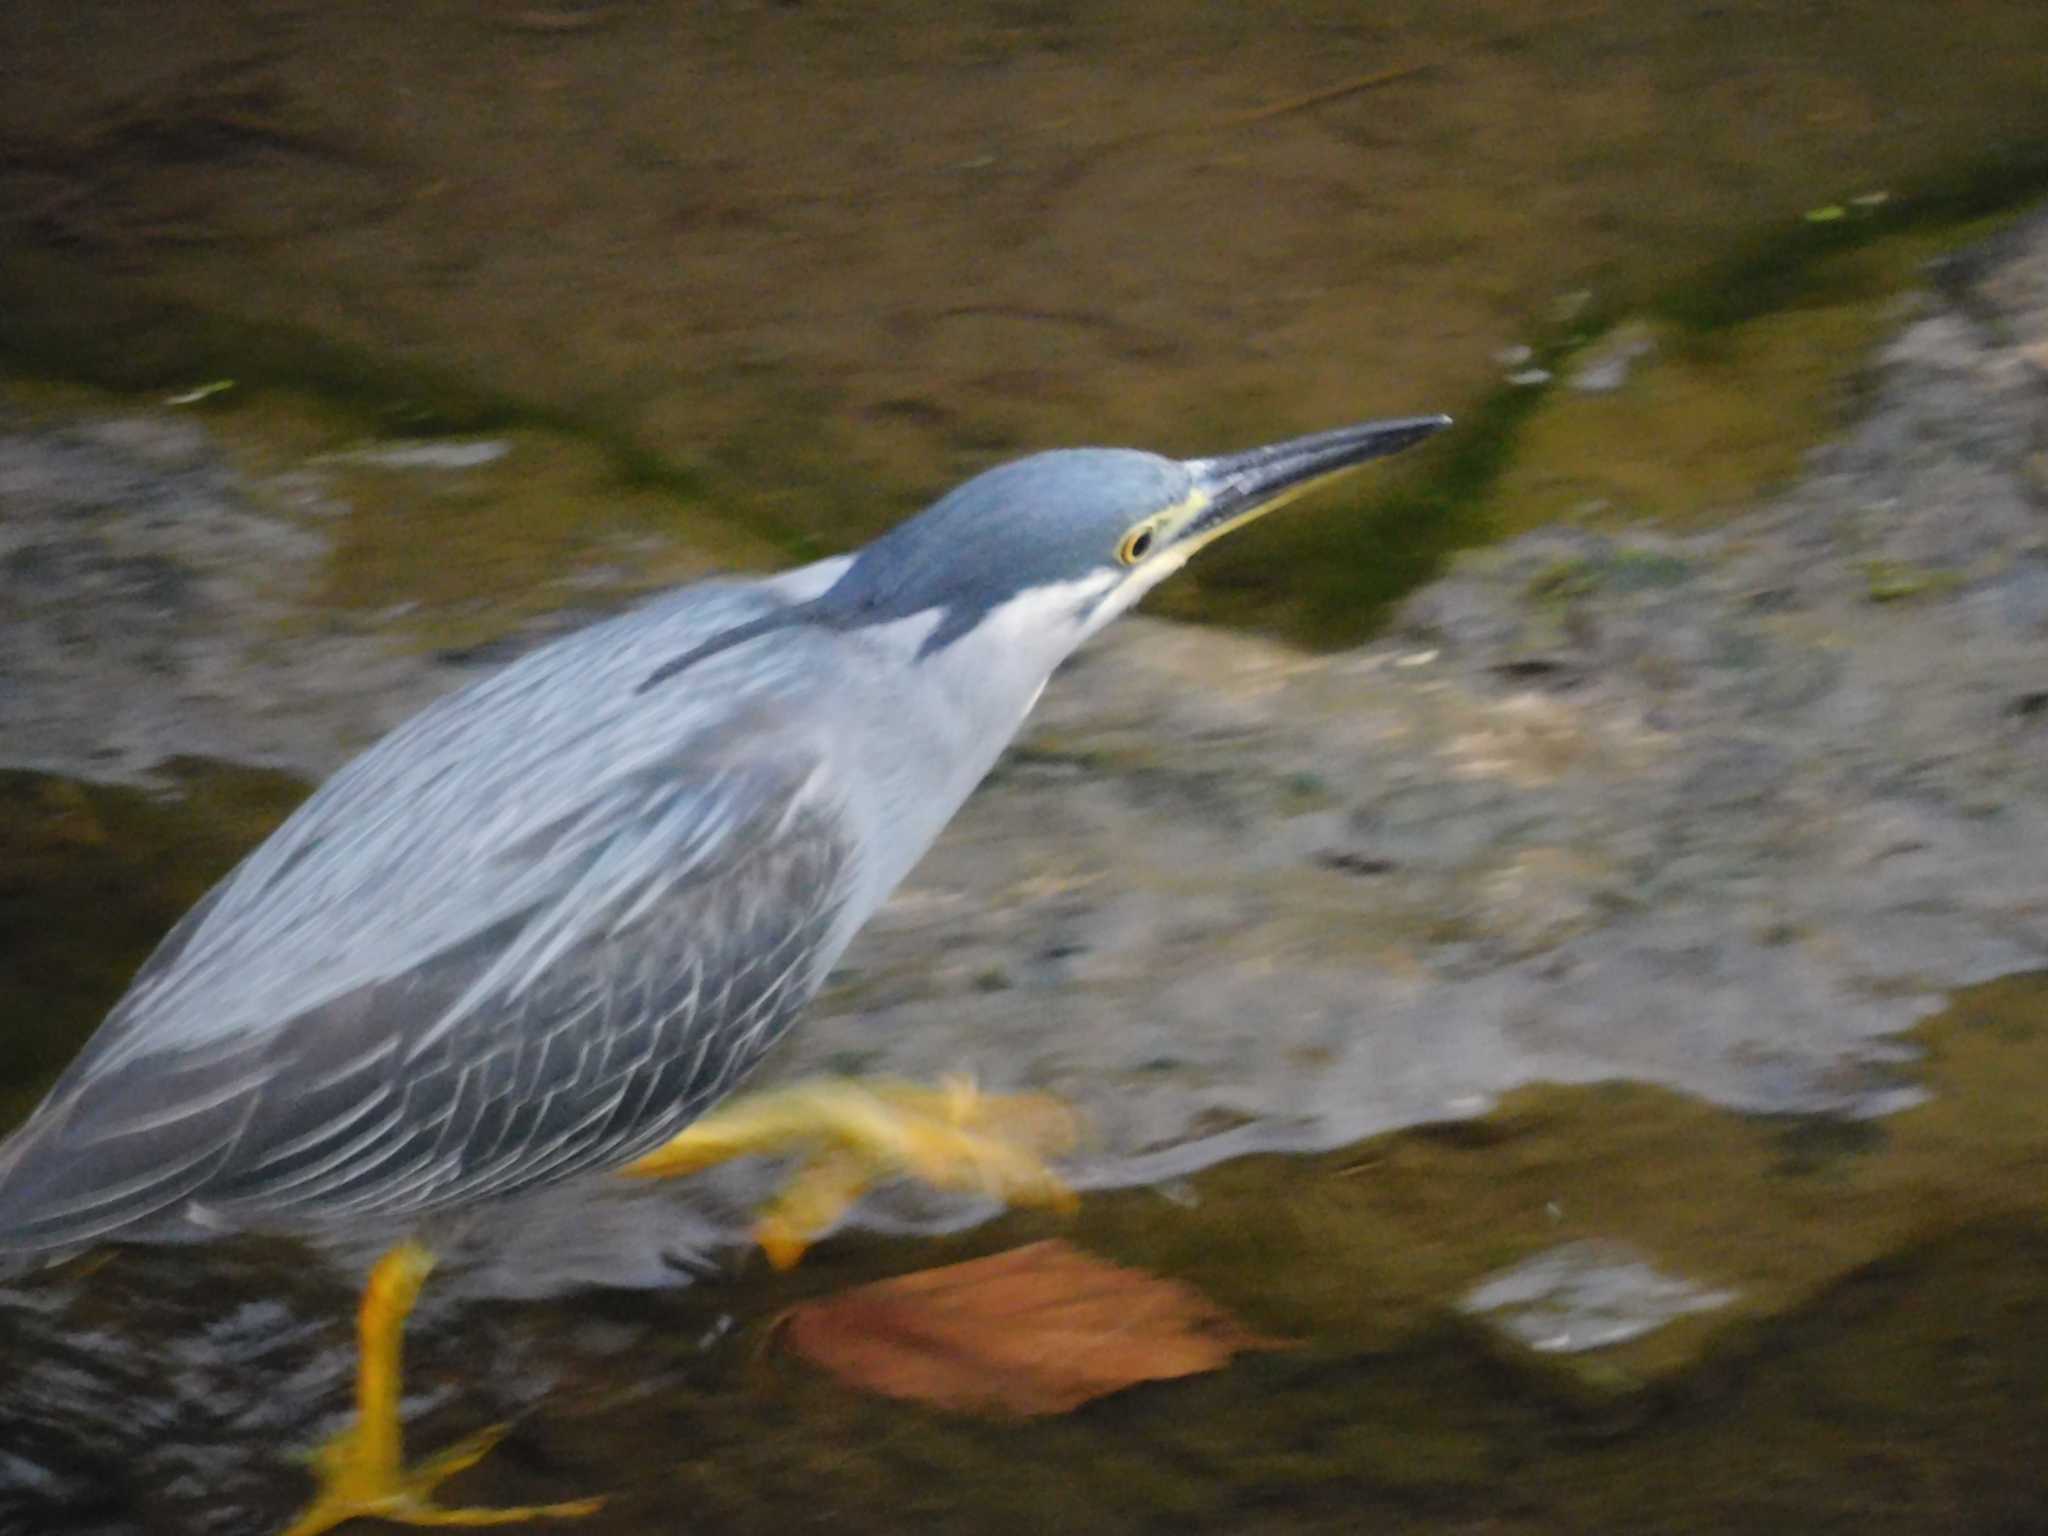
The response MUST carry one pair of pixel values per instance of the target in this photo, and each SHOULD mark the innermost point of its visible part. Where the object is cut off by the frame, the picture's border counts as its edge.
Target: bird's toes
(356, 1486)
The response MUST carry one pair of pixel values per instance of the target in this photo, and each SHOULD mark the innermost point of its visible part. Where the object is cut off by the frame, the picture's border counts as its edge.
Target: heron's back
(535, 930)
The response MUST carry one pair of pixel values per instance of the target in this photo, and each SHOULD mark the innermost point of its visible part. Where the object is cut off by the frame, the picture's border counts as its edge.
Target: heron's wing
(541, 915)
(553, 1046)
(574, 1035)
(481, 809)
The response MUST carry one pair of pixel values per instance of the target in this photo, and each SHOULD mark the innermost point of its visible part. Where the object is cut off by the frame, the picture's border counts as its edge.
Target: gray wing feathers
(532, 932)
(120, 1147)
(619, 1040)
(479, 809)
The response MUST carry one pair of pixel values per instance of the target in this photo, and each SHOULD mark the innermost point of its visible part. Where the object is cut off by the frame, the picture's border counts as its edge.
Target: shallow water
(722, 328)
(1870, 1354)
(1878, 1367)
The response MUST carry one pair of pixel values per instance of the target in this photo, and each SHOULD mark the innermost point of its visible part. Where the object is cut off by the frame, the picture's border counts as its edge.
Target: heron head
(1061, 543)
(1034, 556)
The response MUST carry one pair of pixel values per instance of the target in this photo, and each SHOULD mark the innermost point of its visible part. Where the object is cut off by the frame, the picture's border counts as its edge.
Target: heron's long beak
(1229, 492)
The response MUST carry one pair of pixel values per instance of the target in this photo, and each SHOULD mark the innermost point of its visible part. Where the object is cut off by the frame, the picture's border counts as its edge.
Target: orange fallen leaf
(1039, 1329)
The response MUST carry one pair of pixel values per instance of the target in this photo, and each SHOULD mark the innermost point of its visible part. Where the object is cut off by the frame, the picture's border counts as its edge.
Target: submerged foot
(854, 1135)
(356, 1483)
(361, 1470)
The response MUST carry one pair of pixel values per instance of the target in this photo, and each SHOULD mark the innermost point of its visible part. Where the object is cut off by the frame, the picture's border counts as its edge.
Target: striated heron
(543, 928)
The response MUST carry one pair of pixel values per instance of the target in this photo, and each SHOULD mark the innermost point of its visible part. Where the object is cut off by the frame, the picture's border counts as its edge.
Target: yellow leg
(360, 1470)
(854, 1135)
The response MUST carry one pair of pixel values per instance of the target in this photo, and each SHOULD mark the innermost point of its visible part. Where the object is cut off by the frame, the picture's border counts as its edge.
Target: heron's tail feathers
(112, 1156)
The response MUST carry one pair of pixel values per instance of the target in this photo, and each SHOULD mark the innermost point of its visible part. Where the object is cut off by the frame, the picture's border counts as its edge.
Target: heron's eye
(1137, 544)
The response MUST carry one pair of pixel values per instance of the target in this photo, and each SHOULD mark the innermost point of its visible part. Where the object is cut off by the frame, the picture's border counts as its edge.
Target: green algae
(550, 526)
(1894, 581)
(1754, 357)
(1720, 414)
(65, 322)
(296, 388)
(1330, 576)
(759, 457)
(1734, 395)
(447, 559)
(1796, 265)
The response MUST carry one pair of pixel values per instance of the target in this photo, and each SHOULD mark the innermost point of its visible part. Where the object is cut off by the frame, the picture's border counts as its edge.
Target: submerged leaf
(1040, 1329)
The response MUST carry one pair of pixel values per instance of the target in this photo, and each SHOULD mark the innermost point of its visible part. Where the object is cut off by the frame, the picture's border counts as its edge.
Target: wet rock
(154, 611)
(1586, 1295)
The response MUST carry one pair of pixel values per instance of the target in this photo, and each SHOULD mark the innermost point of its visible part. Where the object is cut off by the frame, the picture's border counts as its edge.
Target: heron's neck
(927, 724)
(994, 672)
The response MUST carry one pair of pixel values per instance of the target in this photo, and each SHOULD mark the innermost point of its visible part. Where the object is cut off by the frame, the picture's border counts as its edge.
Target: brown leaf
(1040, 1329)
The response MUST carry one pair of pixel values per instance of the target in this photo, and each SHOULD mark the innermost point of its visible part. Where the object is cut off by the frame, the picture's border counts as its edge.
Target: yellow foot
(357, 1483)
(360, 1470)
(854, 1135)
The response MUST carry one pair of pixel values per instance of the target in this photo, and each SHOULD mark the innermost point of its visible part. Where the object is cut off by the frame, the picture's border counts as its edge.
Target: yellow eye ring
(1137, 543)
